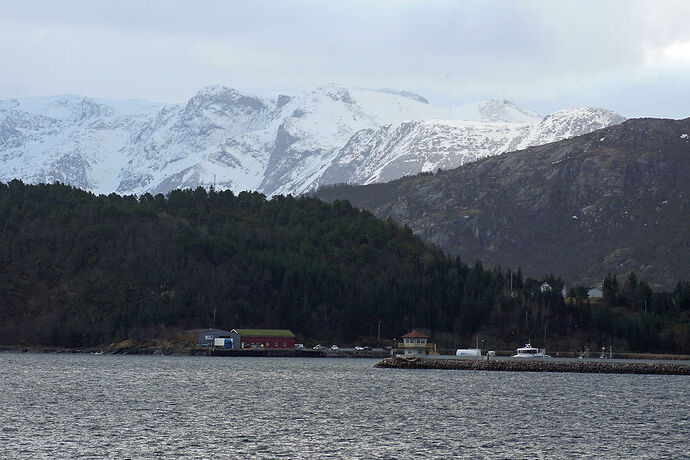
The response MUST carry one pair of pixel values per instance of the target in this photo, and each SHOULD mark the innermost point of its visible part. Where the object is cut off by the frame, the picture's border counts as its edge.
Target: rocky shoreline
(587, 367)
(127, 347)
(166, 347)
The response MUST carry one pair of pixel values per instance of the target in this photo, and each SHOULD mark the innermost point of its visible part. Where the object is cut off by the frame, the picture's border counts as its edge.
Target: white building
(416, 344)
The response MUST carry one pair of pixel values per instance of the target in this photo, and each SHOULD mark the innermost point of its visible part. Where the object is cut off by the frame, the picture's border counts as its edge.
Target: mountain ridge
(615, 200)
(282, 144)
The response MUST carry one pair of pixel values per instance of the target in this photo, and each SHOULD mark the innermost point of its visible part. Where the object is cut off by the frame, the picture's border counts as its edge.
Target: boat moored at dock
(528, 351)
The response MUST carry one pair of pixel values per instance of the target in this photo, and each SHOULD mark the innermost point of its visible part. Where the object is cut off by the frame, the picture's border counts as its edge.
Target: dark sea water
(88, 406)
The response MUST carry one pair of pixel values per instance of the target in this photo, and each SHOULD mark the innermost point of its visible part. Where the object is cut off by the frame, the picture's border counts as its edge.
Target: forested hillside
(78, 269)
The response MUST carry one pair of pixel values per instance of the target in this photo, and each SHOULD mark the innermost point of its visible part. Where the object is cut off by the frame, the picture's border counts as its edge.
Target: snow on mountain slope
(569, 123)
(274, 144)
(219, 133)
(69, 139)
(278, 145)
(324, 120)
(387, 153)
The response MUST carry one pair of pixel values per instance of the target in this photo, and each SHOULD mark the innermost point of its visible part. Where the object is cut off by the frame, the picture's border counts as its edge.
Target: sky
(629, 56)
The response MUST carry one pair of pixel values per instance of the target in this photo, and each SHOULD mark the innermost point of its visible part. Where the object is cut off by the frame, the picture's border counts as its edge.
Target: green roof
(265, 332)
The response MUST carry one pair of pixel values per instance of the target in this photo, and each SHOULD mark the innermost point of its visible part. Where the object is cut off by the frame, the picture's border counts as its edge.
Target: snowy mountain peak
(407, 94)
(335, 93)
(568, 123)
(496, 111)
(504, 110)
(223, 99)
(67, 108)
(583, 114)
(211, 90)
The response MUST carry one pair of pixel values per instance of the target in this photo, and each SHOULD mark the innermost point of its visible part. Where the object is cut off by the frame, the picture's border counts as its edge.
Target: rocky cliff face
(616, 200)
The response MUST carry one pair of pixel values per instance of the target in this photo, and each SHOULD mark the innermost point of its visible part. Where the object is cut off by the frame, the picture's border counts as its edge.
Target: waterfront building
(207, 337)
(266, 338)
(415, 344)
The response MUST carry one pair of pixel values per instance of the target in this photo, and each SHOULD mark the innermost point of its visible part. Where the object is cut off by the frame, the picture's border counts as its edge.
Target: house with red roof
(415, 344)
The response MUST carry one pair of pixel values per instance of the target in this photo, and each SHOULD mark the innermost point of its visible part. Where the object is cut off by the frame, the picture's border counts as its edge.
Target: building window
(275, 344)
(284, 344)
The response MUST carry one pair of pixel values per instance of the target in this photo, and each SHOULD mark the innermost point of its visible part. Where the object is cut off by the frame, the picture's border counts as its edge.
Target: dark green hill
(78, 270)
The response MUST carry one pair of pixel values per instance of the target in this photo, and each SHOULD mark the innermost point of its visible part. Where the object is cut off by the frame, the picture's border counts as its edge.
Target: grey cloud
(543, 54)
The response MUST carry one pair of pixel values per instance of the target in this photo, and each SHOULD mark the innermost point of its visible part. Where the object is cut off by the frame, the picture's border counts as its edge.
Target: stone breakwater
(545, 365)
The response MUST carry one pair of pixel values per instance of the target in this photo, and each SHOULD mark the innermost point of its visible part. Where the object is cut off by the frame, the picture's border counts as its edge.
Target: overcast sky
(629, 56)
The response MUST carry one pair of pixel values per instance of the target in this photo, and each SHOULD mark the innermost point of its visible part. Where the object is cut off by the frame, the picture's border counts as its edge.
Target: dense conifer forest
(81, 270)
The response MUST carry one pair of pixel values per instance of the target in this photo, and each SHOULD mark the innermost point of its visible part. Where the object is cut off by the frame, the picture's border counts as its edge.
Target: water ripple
(65, 406)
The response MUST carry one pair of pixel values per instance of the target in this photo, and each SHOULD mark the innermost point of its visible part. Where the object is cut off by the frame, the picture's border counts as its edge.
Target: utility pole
(378, 336)
(525, 319)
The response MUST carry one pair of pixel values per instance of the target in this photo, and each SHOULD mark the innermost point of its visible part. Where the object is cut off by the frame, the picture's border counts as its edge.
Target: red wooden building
(266, 338)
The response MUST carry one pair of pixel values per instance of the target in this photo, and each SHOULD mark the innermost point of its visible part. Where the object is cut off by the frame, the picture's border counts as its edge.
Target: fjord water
(67, 406)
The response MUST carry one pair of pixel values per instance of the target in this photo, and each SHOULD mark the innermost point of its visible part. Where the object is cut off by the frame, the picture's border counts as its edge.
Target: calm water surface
(67, 406)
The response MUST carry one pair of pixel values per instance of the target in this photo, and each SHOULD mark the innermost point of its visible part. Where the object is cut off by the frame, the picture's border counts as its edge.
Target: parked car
(358, 348)
(317, 347)
(386, 347)
(335, 347)
(367, 347)
(299, 345)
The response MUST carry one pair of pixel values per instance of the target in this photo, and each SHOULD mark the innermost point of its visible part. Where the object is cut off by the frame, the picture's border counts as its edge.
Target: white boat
(528, 351)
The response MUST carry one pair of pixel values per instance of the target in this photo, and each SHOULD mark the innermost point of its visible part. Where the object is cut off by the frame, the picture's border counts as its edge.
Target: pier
(540, 365)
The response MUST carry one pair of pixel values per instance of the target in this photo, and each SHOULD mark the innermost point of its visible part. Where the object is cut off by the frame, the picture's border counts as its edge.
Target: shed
(206, 337)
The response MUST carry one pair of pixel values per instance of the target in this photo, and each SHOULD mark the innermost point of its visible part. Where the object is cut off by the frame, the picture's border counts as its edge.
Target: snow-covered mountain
(281, 144)
(387, 153)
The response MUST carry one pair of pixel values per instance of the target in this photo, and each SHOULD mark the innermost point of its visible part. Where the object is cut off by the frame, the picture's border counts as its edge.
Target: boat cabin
(528, 351)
